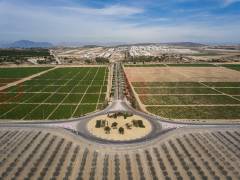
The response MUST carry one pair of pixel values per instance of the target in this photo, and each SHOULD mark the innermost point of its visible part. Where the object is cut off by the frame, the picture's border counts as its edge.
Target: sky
(120, 21)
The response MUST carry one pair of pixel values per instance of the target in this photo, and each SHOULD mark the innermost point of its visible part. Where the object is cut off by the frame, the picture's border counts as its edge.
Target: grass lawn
(203, 112)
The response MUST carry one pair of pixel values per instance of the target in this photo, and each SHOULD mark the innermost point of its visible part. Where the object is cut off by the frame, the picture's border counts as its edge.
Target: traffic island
(119, 127)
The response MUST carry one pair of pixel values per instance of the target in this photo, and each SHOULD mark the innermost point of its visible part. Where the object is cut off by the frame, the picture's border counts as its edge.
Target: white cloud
(115, 10)
(94, 25)
(229, 2)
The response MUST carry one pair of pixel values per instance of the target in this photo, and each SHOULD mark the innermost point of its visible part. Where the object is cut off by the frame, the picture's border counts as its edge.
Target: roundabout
(119, 127)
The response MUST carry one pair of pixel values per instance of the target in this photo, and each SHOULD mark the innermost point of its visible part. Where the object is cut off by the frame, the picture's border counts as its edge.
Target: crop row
(196, 112)
(187, 100)
(211, 154)
(186, 84)
(38, 99)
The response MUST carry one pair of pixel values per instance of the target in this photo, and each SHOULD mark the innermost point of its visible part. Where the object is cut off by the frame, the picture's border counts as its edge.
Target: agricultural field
(8, 75)
(182, 154)
(187, 93)
(19, 56)
(62, 93)
(232, 66)
(165, 65)
(145, 65)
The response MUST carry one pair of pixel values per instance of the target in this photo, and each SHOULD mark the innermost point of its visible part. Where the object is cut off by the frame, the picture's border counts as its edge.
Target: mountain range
(26, 44)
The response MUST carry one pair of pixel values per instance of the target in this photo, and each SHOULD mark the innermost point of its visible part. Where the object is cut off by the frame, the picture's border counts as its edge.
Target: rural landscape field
(119, 90)
(197, 91)
(48, 154)
(61, 93)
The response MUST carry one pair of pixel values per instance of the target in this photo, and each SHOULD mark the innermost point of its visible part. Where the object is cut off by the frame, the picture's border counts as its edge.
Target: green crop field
(145, 65)
(187, 100)
(232, 66)
(8, 75)
(62, 93)
(172, 65)
(167, 84)
(191, 100)
(157, 90)
(200, 112)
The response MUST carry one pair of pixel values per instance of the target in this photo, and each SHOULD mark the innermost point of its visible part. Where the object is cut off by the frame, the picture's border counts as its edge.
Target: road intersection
(119, 103)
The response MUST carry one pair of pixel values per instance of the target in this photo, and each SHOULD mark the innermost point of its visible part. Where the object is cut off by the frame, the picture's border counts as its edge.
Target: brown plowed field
(187, 93)
(182, 74)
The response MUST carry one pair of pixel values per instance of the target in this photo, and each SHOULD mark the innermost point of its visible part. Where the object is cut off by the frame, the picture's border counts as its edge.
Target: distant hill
(27, 44)
(183, 44)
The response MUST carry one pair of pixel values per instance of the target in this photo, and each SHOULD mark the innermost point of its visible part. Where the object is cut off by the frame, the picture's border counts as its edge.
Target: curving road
(119, 103)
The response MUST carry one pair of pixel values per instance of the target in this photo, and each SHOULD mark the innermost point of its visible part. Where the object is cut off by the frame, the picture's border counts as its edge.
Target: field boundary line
(49, 103)
(101, 89)
(68, 92)
(136, 96)
(17, 104)
(189, 105)
(187, 87)
(53, 92)
(180, 94)
(23, 80)
(26, 78)
(110, 79)
(231, 96)
(80, 102)
(171, 87)
(42, 103)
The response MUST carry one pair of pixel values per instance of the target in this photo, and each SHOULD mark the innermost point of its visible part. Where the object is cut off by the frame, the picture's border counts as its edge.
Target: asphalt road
(119, 104)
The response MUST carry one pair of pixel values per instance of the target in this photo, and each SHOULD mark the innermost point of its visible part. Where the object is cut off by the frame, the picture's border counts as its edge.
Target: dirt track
(25, 79)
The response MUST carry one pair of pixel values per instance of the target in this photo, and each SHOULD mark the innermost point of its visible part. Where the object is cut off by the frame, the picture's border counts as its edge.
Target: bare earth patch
(130, 133)
(182, 74)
